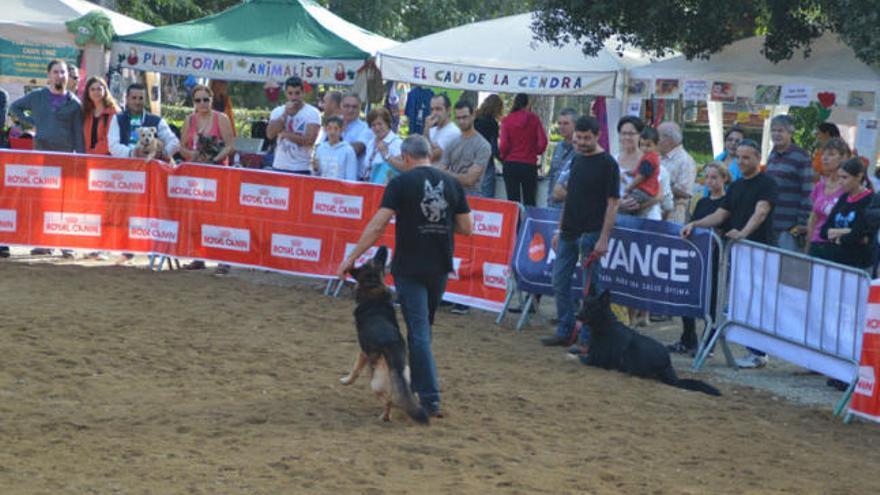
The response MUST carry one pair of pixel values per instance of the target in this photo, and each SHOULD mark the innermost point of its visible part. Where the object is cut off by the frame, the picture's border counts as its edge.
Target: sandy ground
(120, 380)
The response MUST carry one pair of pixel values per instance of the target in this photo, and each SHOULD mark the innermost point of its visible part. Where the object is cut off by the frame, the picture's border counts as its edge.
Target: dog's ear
(381, 256)
(605, 297)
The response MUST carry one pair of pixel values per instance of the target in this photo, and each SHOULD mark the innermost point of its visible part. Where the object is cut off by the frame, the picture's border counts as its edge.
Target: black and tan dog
(614, 346)
(382, 346)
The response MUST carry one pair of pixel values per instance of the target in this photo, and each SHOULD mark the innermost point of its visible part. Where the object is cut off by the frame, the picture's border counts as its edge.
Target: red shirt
(523, 138)
(649, 167)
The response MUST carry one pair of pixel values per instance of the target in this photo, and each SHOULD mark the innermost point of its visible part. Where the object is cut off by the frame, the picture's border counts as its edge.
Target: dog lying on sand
(383, 348)
(614, 346)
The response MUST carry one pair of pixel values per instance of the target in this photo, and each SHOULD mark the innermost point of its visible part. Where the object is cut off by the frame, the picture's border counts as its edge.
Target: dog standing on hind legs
(614, 346)
(382, 347)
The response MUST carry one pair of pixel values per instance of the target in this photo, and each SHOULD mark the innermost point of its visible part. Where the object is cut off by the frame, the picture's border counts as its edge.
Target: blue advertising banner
(648, 265)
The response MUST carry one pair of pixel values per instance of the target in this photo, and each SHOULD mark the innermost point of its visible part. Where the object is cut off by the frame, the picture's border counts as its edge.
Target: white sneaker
(752, 361)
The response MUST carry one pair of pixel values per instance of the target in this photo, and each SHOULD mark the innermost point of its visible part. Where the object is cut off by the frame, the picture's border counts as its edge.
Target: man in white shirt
(295, 125)
(681, 167)
(439, 128)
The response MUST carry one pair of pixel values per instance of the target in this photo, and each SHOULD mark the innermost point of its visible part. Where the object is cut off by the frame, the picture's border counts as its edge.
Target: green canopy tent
(257, 40)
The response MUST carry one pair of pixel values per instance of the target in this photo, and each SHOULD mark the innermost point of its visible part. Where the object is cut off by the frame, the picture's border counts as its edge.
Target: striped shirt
(792, 170)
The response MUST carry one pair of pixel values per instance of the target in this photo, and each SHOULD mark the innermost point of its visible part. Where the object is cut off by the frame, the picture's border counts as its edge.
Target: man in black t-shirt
(588, 215)
(430, 206)
(746, 208)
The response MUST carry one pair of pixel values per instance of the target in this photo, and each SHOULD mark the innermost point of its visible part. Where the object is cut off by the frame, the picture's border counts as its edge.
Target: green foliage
(162, 12)
(806, 120)
(699, 28)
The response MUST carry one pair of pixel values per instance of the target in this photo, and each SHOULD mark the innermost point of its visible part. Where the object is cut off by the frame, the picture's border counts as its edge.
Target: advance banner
(866, 395)
(254, 218)
(648, 265)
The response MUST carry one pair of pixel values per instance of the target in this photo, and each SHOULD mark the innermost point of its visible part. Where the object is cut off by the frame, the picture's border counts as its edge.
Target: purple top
(57, 101)
(822, 205)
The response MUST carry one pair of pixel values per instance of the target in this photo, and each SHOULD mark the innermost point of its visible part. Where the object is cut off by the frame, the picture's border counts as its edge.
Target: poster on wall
(666, 88)
(796, 95)
(866, 136)
(634, 108)
(723, 91)
(862, 101)
(767, 94)
(696, 90)
(637, 87)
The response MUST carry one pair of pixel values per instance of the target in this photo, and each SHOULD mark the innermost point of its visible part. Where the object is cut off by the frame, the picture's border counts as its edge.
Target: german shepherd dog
(382, 346)
(614, 346)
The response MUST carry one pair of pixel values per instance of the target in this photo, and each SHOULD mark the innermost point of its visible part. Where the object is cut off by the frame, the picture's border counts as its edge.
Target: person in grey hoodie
(54, 111)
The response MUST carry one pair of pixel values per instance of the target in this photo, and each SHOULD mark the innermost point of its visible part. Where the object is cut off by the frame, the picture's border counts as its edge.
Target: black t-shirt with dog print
(425, 202)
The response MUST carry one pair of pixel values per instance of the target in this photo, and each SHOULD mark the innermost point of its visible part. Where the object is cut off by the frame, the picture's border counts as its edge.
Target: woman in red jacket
(523, 140)
(99, 107)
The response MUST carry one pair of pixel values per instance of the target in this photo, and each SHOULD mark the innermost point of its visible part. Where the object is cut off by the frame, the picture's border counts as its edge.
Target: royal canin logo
(298, 248)
(121, 181)
(338, 205)
(867, 381)
(495, 275)
(262, 196)
(216, 236)
(37, 176)
(367, 255)
(488, 223)
(79, 224)
(153, 229)
(197, 188)
(8, 220)
(872, 319)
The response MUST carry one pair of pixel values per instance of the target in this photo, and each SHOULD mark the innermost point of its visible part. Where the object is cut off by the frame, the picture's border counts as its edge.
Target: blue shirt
(418, 106)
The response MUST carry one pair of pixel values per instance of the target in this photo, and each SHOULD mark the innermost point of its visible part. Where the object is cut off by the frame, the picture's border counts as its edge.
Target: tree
(162, 12)
(699, 28)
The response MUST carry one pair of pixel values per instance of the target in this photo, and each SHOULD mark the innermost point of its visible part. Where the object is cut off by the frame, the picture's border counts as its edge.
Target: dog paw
(386, 417)
(346, 380)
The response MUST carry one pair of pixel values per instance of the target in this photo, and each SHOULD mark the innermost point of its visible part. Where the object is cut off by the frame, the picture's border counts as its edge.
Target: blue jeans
(419, 297)
(487, 183)
(568, 253)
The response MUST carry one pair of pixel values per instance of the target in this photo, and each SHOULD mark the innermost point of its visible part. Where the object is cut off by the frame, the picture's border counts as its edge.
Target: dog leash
(588, 273)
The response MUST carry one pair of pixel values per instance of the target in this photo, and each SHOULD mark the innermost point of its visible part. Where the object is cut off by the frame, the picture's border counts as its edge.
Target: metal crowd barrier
(806, 311)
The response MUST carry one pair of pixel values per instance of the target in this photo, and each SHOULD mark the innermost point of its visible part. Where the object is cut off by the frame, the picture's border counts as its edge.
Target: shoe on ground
(195, 265)
(222, 270)
(839, 385)
(554, 340)
(577, 349)
(444, 303)
(41, 251)
(4, 251)
(67, 254)
(434, 411)
(460, 309)
(752, 361)
(659, 318)
(532, 310)
(680, 348)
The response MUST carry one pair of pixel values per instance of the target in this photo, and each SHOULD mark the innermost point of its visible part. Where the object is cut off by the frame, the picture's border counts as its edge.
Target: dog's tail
(697, 386)
(401, 395)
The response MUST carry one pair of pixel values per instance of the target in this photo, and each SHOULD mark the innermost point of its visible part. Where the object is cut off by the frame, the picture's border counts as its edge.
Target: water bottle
(236, 160)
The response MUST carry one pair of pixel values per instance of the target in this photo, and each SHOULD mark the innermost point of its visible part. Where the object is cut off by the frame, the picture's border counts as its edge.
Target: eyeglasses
(201, 100)
(629, 133)
(136, 98)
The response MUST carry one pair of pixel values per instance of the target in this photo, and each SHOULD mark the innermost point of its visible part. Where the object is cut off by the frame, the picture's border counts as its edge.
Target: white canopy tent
(32, 30)
(831, 67)
(501, 55)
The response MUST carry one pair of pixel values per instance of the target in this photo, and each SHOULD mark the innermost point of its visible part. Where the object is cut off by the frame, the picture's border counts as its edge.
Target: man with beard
(588, 215)
(54, 111)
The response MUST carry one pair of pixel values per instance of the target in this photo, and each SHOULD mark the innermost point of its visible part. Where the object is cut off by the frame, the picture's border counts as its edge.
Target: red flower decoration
(826, 99)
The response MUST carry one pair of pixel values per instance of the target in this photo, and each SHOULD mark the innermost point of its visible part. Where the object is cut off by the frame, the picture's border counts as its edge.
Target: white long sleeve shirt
(118, 149)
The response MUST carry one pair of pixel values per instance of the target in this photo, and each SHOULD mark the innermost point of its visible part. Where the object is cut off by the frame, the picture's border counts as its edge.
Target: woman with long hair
(207, 134)
(523, 141)
(825, 193)
(99, 107)
(486, 123)
(852, 240)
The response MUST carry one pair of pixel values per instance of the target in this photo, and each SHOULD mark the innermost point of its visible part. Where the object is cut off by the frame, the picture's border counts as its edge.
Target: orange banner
(866, 395)
(276, 221)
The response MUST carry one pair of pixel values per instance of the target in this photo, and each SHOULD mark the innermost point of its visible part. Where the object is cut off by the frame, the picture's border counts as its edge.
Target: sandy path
(117, 380)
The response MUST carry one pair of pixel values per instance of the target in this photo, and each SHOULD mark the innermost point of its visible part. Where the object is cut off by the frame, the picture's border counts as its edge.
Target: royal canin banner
(255, 218)
(866, 396)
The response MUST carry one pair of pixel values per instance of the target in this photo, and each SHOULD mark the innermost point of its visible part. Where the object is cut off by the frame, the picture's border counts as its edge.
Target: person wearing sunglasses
(207, 134)
(122, 135)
